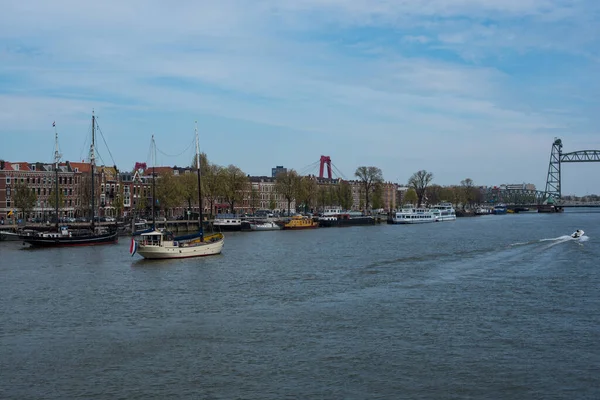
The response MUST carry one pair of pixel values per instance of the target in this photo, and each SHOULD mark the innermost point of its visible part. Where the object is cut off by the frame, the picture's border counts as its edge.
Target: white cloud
(301, 67)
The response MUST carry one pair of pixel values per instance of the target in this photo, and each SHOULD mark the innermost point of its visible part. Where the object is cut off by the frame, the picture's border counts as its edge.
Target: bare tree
(419, 182)
(369, 177)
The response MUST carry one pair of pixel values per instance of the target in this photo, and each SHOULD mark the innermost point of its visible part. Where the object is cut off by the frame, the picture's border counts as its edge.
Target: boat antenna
(200, 216)
(153, 181)
(57, 157)
(92, 164)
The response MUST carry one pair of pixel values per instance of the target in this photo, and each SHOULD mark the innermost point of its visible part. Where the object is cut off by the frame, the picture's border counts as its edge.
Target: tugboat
(300, 222)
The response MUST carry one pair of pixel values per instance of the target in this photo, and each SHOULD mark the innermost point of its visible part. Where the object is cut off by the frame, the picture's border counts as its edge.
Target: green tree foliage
(345, 195)
(234, 183)
(212, 184)
(189, 187)
(286, 184)
(24, 198)
(378, 196)
(52, 198)
(410, 197)
(169, 193)
(369, 177)
(307, 193)
(419, 182)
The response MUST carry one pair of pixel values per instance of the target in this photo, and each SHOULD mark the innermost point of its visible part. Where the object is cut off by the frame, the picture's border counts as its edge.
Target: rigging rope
(176, 155)
(104, 140)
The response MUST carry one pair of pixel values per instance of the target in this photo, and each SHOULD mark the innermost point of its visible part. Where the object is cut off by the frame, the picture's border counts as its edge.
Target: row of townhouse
(130, 193)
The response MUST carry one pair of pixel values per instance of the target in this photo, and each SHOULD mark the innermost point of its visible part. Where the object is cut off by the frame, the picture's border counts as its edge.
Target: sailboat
(162, 244)
(62, 236)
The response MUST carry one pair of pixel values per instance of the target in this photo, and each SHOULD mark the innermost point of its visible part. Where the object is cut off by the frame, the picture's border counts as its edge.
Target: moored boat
(227, 223)
(264, 226)
(345, 219)
(300, 222)
(413, 215)
(499, 209)
(446, 212)
(62, 236)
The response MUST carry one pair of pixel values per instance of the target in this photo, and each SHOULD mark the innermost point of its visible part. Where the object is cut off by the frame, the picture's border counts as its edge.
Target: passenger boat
(4, 235)
(412, 215)
(345, 219)
(156, 244)
(447, 212)
(63, 236)
(300, 222)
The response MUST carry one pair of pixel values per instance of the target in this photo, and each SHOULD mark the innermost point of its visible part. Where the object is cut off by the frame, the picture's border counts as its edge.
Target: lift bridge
(552, 194)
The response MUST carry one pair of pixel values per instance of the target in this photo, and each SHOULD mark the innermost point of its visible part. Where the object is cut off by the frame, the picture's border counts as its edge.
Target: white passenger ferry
(413, 215)
(447, 212)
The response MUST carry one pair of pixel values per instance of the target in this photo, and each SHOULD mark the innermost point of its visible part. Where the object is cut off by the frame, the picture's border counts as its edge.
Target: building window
(70, 180)
(7, 203)
(8, 180)
(70, 192)
(7, 192)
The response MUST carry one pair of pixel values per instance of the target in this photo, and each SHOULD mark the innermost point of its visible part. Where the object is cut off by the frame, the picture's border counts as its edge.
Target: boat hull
(326, 223)
(227, 228)
(173, 252)
(297, 228)
(9, 236)
(408, 222)
(108, 238)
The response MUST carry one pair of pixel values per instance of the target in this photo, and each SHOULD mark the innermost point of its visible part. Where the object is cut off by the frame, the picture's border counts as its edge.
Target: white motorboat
(264, 226)
(577, 234)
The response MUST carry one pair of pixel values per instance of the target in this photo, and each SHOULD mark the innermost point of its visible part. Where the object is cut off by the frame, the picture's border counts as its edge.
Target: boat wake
(554, 241)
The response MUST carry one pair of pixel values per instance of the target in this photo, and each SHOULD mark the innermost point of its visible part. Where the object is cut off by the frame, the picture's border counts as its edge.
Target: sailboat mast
(92, 163)
(200, 206)
(153, 182)
(56, 161)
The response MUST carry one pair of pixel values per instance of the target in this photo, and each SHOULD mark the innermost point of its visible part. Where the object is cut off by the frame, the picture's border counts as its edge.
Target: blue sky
(461, 88)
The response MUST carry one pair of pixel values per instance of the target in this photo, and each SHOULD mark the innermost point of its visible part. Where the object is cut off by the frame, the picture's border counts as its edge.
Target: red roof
(81, 166)
(22, 166)
(160, 170)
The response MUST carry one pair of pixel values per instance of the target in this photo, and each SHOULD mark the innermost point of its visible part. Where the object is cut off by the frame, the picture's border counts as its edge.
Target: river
(500, 307)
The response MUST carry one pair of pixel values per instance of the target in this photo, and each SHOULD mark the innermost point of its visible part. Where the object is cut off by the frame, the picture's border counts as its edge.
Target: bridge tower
(553, 179)
(325, 160)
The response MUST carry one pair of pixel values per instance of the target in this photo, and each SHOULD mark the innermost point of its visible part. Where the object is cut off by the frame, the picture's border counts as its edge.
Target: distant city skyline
(473, 89)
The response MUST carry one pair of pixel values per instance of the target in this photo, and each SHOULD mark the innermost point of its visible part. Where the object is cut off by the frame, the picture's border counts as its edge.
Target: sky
(464, 88)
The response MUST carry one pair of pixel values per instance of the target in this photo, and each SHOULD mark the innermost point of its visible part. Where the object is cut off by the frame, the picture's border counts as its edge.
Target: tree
(234, 183)
(419, 182)
(84, 194)
(469, 191)
(141, 204)
(212, 184)
(369, 177)
(378, 196)
(169, 192)
(118, 204)
(345, 195)
(254, 198)
(286, 184)
(272, 202)
(410, 197)
(307, 192)
(52, 198)
(434, 194)
(189, 188)
(24, 198)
